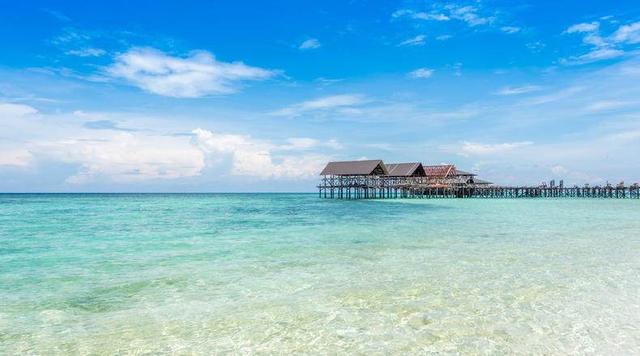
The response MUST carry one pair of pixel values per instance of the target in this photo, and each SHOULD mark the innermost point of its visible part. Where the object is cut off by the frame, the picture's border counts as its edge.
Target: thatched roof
(413, 169)
(355, 168)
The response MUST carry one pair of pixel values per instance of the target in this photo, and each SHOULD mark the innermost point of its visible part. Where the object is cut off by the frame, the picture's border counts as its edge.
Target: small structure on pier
(414, 169)
(355, 168)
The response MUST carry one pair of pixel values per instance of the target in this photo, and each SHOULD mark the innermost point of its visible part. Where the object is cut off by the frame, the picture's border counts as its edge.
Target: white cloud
(583, 27)
(311, 43)
(197, 75)
(518, 90)
(593, 56)
(556, 96)
(15, 157)
(603, 48)
(443, 37)
(71, 35)
(334, 144)
(323, 103)
(10, 109)
(155, 154)
(628, 33)
(255, 158)
(421, 73)
(300, 143)
(477, 149)
(604, 105)
(510, 29)
(559, 170)
(87, 52)
(415, 41)
(433, 16)
(306, 143)
(467, 14)
(126, 157)
(420, 15)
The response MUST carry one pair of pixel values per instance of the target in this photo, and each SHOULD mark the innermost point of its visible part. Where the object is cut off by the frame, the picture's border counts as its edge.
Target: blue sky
(257, 96)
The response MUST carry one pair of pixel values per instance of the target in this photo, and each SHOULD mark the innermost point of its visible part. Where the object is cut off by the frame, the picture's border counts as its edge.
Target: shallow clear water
(104, 274)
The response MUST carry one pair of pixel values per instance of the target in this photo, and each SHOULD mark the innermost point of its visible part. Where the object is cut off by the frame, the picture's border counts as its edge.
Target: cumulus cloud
(13, 110)
(628, 33)
(583, 27)
(103, 151)
(414, 41)
(126, 157)
(322, 104)
(256, 158)
(311, 43)
(15, 157)
(196, 75)
(421, 73)
(477, 149)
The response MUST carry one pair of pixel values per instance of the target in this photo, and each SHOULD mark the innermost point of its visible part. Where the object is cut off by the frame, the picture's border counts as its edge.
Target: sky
(237, 96)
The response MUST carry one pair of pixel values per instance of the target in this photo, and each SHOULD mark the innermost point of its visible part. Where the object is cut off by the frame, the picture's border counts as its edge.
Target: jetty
(373, 179)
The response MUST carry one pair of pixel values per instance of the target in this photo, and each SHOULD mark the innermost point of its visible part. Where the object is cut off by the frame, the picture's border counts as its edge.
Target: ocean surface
(292, 273)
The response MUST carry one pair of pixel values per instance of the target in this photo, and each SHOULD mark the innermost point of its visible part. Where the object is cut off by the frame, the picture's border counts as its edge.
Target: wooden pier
(394, 192)
(373, 180)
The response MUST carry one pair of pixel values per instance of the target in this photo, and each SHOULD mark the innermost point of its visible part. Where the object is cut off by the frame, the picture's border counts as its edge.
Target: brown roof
(440, 171)
(463, 173)
(355, 168)
(406, 169)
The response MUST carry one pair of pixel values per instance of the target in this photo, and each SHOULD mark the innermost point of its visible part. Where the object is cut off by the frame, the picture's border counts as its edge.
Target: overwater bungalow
(374, 179)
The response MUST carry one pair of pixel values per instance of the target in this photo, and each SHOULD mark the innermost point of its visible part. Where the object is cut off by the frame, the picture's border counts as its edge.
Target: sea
(105, 274)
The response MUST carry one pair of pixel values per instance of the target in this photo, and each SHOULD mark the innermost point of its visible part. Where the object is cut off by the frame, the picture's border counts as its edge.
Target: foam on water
(104, 274)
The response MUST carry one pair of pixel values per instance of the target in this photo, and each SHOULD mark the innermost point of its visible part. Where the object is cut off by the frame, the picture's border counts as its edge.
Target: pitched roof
(355, 168)
(463, 173)
(405, 169)
(440, 171)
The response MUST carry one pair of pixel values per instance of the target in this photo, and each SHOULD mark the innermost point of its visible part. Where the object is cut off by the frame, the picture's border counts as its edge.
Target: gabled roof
(463, 173)
(440, 171)
(413, 169)
(355, 168)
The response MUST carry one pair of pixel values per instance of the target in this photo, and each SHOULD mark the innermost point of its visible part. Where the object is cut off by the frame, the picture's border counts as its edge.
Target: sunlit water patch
(279, 273)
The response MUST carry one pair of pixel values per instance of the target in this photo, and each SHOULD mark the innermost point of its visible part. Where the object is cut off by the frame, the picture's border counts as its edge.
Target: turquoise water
(280, 273)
